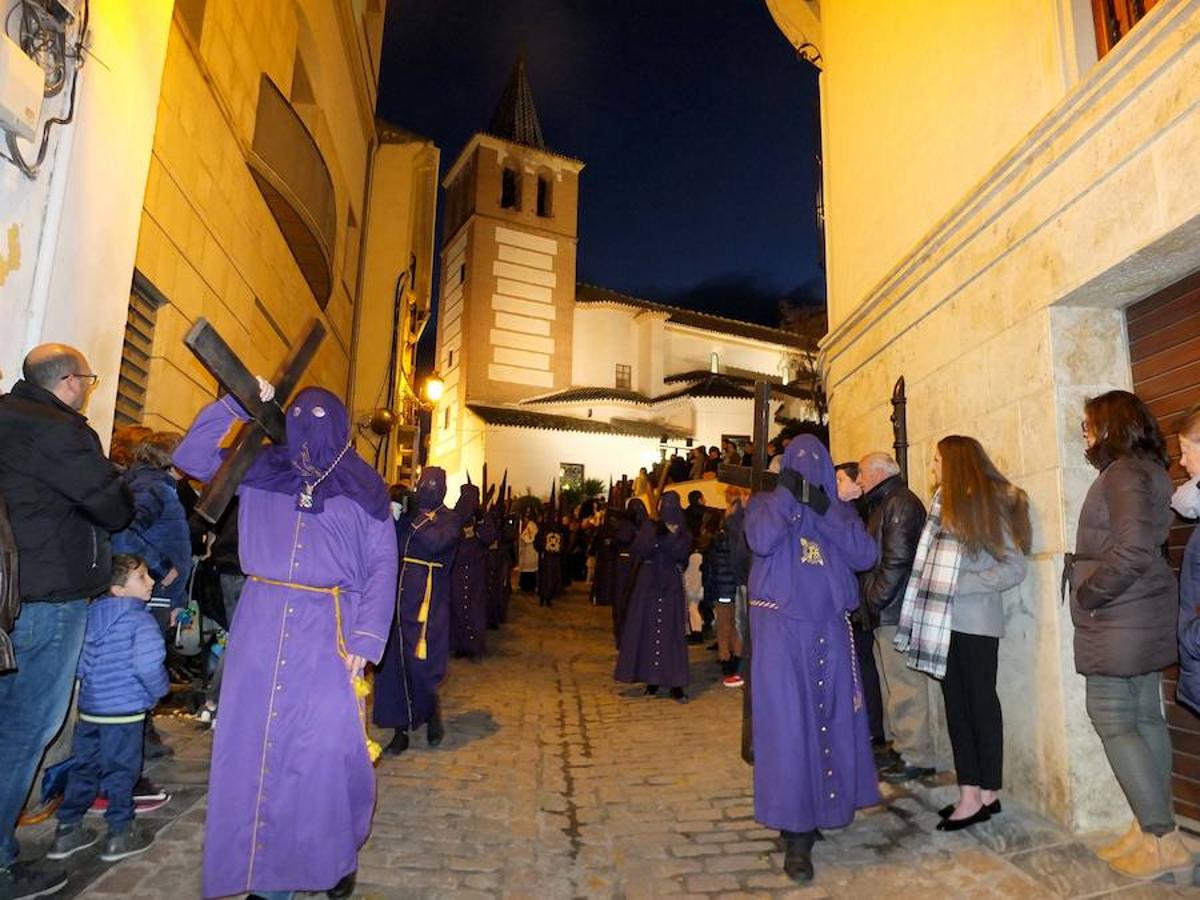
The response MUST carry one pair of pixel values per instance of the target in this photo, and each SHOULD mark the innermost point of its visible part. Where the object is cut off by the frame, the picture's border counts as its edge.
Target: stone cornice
(1128, 72)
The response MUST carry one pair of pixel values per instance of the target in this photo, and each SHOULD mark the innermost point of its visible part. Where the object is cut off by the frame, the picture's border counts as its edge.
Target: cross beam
(267, 420)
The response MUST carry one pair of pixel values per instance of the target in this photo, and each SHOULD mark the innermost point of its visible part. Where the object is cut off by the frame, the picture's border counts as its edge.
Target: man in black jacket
(64, 497)
(895, 517)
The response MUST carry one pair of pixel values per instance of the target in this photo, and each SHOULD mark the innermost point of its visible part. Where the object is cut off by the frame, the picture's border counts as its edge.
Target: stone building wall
(208, 241)
(1004, 316)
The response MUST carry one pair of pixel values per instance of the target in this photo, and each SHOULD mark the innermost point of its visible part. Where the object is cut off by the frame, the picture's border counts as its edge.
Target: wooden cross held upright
(757, 478)
(267, 419)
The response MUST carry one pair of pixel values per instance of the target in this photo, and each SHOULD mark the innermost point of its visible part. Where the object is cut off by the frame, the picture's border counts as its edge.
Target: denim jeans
(34, 701)
(108, 758)
(1127, 714)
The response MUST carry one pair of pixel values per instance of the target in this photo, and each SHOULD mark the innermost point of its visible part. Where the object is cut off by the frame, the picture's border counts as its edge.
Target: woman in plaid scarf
(972, 550)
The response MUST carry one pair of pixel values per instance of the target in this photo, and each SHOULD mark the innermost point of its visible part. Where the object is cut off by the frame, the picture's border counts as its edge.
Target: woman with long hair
(982, 523)
(1124, 605)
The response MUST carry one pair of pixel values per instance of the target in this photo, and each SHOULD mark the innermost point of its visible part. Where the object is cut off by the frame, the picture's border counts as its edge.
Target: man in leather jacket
(64, 498)
(895, 517)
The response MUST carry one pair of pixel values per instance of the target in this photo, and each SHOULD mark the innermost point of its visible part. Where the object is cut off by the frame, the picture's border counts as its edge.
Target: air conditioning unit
(22, 83)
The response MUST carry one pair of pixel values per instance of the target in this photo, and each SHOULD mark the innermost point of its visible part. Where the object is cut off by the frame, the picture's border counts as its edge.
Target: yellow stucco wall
(919, 101)
(985, 237)
(208, 241)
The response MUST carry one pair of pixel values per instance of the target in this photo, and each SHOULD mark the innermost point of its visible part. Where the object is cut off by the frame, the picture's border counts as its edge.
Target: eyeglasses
(93, 380)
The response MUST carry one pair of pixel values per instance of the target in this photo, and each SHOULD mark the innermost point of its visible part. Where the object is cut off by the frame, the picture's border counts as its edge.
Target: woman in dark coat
(654, 641)
(1124, 605)
(1186, 502)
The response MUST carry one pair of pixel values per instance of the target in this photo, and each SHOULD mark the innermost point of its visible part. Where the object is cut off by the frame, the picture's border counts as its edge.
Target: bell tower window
(510, 189)
(545, 196)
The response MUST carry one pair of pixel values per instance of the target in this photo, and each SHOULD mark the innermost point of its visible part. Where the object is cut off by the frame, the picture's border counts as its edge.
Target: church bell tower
(507, 292)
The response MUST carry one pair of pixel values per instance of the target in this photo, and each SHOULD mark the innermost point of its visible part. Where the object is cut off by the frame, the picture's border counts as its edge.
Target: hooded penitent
(671, 513)
(318, 460)
(431, 488)
(812, 755)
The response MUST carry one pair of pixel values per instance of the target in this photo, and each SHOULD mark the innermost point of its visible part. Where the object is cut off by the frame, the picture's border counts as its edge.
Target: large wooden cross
(756, 478)
(267, 420)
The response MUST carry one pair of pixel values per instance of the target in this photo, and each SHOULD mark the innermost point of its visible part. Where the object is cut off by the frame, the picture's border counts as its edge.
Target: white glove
(266, 390)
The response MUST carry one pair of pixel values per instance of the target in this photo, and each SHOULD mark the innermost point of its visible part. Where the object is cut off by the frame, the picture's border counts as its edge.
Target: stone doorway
(1164, 352)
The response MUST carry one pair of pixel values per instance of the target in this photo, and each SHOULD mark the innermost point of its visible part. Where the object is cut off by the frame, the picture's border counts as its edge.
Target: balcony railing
(291, 173)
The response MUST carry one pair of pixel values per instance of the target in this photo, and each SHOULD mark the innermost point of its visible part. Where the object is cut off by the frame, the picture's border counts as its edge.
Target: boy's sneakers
(146, 798)
(130, 842)
(733, 681)
(70, 839)
(24, 880)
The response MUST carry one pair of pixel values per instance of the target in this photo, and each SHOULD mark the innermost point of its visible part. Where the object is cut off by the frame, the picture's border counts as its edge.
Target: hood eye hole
(319, 412)
(295, 411)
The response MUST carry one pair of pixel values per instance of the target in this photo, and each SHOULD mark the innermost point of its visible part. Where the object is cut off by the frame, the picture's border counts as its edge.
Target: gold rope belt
(361, 687)
(423, 612)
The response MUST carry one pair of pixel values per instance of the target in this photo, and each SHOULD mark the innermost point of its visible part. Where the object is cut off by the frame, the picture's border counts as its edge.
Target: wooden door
(1164, 349)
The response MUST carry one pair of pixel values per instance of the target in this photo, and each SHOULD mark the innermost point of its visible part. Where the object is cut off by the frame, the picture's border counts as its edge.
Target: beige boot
(1123, 844)
(1154, 856)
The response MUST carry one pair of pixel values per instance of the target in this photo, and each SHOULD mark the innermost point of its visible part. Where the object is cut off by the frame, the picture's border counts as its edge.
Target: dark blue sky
(695, 118)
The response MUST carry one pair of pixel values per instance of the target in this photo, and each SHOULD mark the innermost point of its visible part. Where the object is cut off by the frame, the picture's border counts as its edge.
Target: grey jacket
(1124, 597)
(978, 598)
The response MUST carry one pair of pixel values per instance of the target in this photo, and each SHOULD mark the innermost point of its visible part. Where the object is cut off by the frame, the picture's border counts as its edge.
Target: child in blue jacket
(121, 676)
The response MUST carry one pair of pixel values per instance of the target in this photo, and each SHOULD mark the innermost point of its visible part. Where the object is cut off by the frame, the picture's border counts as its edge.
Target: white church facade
(545, 377)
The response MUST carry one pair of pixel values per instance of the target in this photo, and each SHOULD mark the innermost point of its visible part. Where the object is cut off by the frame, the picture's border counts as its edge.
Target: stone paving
(551, 783)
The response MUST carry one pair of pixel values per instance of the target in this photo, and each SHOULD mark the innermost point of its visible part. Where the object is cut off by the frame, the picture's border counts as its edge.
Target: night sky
(695, 118)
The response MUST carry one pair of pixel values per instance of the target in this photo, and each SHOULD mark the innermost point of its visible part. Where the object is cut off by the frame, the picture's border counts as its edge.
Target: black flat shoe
(959, 824)
(948, 810)
(435, 730)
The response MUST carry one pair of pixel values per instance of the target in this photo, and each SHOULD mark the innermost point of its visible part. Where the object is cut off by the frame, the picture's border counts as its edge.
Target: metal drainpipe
(351, 382)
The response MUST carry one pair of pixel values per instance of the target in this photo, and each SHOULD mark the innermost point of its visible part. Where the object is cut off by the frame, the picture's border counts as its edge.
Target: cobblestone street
(552, 784)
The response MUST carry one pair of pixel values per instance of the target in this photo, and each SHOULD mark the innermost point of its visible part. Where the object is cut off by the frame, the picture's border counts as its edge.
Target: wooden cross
(267, 420)
(757, 478)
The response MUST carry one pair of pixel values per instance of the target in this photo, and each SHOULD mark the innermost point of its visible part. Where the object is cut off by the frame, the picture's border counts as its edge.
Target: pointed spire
(515, 118)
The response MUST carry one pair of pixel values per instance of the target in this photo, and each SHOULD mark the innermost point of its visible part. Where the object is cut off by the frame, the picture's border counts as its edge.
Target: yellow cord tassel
(423, 614)
(362, 687)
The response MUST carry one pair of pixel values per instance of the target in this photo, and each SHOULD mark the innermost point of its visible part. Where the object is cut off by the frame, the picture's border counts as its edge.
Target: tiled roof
(579, 394)
(745, 380)
(590, 293)
(710, 386)
(521, 418)
(516, 118)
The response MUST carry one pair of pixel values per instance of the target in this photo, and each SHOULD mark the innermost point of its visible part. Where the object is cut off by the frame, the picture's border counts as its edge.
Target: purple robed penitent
(653, 645)
(469, 584)
(812, 755)
(292, 788)
(407, 682)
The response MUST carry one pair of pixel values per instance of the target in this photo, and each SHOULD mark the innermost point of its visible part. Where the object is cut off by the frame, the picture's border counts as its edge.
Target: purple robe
(292, 787)
(623, 565)
(469, 589)
(812, 748)
(654, 640)
(499, 569)
(551, 545)
(406, 684)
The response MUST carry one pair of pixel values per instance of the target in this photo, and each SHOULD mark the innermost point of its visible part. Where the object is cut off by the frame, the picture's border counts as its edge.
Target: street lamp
(434, 388)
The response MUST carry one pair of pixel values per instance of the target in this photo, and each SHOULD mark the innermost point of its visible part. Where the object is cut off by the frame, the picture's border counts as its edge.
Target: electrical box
(63, 10)
(22, 83)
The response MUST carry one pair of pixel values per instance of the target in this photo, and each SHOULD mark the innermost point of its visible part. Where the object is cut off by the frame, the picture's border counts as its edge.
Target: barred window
(134, 379)
(1115, 18)
(624, 377)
